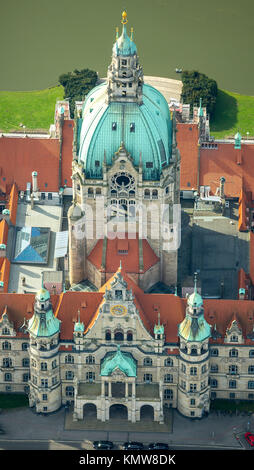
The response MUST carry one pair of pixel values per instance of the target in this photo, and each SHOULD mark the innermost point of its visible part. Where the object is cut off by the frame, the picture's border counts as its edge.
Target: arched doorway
(118, 411)
(89, 411)
(146, 413)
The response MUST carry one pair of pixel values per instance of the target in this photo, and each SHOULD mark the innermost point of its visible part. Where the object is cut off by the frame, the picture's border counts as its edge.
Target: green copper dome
(145, 129)
(119, 360)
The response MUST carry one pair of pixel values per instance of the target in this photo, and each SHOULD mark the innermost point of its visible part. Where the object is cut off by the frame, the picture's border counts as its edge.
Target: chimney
(222, 184)
(34, 182)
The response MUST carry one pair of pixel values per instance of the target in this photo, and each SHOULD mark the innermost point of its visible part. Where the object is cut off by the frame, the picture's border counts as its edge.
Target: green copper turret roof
(44, 324)
(119, 360)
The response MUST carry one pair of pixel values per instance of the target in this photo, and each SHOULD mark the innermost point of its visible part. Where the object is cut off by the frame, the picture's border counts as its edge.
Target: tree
(77, 85)
(197, 85)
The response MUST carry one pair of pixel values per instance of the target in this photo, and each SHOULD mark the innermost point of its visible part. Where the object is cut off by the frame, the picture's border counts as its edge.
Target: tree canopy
(77, 85)
(197, 85)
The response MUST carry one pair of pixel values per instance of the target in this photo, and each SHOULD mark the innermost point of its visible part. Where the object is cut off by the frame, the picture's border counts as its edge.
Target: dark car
(158, 445)
(133, 445)
(103, 445)
(249, 438)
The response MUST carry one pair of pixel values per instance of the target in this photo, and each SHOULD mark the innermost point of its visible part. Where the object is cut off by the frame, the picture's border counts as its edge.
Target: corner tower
(193, 384)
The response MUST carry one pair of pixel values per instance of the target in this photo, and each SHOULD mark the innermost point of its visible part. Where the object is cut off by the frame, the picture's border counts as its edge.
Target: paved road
(24, 428)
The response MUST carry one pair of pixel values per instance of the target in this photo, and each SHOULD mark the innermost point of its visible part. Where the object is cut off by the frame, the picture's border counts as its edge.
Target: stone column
(126, 389)
(102, 388)
(109, 389)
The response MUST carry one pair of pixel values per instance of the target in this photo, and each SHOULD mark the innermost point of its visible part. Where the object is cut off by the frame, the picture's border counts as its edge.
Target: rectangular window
(44, 397)
(97, 163)
(149, 164)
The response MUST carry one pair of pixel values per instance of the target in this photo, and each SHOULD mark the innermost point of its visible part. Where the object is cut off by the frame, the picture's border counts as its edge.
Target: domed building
(125, 171)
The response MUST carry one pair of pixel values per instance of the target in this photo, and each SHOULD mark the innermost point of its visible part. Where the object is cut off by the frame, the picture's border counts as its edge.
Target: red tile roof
(4, 228)
(19, 157)
(13, 203)
(5, 267)
(187, 143)
(115, 255)
(171, 308)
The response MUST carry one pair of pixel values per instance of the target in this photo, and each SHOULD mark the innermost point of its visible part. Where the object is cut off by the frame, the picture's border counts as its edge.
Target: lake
(40, 39)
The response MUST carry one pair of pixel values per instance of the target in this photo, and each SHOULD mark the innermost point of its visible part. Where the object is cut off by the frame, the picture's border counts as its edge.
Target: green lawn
(233, 112)
(13, 400)
(33, 109)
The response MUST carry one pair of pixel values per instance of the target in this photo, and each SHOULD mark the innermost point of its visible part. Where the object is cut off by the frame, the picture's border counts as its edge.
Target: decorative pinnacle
(124, 17)
(132, 34)
(195, 281)
(117, 31)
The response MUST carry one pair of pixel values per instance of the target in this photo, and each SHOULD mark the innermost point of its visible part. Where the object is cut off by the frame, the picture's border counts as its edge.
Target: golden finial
(124, 17)
(131, 34)
(117, 30)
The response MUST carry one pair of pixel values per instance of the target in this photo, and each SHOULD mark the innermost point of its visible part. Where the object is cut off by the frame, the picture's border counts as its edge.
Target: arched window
(251, 353)
(168, 378)
(168, 394)
(147, 194)
(90, 376)
(232, 369)
(8, 377)
(214, 352)
(90, 359)
(251, 369)
(6, 346)
(155, 194)
(5, 331)
(168, 362)
(90, 192)
(251, 384)
(25, 362)
(98, 191)
(44, 366)
(148, 361)
(108, 335)
(118, 335)
(7, 362)
(25, 346)
(69, 391)
(129, 336)
(214, 368)
(193, 371)
(233, 353)
(69, 359)
(69, 375)
(194, 351)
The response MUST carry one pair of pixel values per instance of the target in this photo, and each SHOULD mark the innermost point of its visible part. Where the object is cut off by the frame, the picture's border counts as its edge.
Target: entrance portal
(89, 411)
(118, 412)
(147, 413)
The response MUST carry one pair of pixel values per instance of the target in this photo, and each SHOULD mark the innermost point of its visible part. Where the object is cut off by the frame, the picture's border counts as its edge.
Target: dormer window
(118, 294)
(132, 127)
(234, 339)
(5, 331)
(124, 62)
(114, 126)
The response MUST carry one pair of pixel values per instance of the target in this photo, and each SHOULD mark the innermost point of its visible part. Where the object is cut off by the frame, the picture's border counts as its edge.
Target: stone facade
(186, 374)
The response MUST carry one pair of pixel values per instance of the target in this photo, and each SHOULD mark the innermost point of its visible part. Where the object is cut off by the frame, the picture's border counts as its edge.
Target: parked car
(133, 445)
(249, 438)
(158, 445)
(103, 445)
